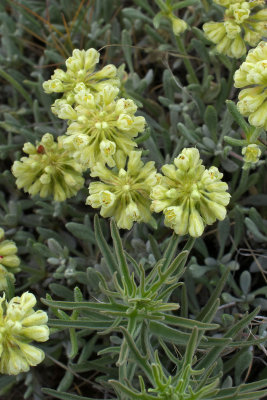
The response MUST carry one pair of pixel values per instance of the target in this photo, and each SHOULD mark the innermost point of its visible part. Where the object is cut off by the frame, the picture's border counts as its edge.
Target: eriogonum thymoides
(190, 195)
(240, 26)
(20, 325)
(48, 170)
(9, 260)
(252, 75)
(100, 126)
(80, 75)
(124, 191)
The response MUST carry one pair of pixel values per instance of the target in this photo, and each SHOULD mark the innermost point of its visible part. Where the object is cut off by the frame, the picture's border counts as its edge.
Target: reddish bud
(40, 149)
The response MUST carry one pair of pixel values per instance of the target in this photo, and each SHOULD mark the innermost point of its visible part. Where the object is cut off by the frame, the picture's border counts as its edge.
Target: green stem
(162, 5)
(124, 353)
(189, 244)
(242, 187)
(232, 108)
(252, 138)
(187, 62)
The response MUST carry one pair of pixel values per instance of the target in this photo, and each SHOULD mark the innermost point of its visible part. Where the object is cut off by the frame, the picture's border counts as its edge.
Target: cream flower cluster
(252, 76)
(100, 136)
(240, 26)
(48, 170)
(190, 195)
(9, 261)
(19, 326)
(80, 75)
(124, 192)
(100, 125)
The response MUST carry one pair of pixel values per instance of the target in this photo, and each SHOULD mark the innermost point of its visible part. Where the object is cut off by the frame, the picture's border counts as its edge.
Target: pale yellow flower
(48, 170)
(103, 125)
(252, 75)
(124, 191)
(20, 325)
(80, 75)
(190, 196)
(240, 27)
(251, 153)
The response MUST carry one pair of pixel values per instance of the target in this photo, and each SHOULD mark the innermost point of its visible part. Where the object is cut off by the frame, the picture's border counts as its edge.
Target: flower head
(190, 195)
(252, 75)
(240, 26)
(9, 260)
(48, 170)
(81, 75)
(124, 191)
(20, 325)
(103, 125)
(251, 153)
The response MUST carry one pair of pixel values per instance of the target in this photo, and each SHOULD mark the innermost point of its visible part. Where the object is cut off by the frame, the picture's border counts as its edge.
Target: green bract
(190, 195)
(124, 191)
(48, 170)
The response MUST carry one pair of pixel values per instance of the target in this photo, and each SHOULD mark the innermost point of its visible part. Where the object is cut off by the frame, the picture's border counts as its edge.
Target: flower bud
(91, 59)
(45, 179)
(10, 261)
(59, 74)
(33, 355)
(238, 47)
(53, 86)
(109, 71)
(29, 148)
(178, 25)
(39, 317)
(196, 225)
(38, 333)
(123, 105)
(67, 112)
